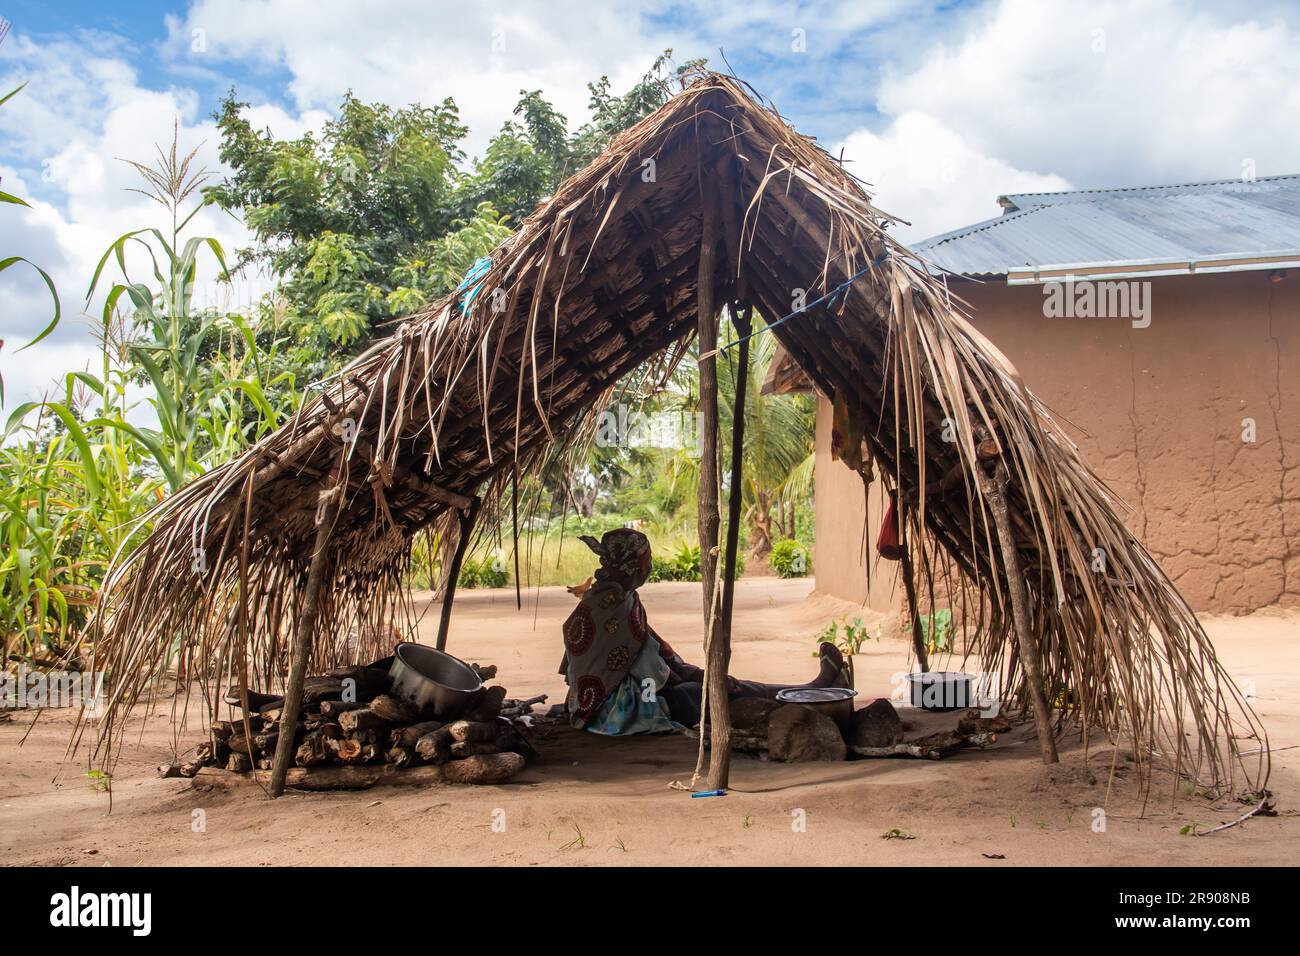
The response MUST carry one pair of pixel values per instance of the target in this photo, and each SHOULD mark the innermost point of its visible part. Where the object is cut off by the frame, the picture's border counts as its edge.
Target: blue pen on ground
(709, 793)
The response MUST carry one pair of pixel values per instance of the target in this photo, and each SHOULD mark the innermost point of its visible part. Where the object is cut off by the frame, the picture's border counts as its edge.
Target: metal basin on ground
(835, 702)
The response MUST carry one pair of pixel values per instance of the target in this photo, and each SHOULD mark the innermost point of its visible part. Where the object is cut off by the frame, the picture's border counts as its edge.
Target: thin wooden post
(467, 519)
(918, 638)
(995, 489)
(909, 586)
(326, 512)
(720, 702)
(707, 318)
(716, 703)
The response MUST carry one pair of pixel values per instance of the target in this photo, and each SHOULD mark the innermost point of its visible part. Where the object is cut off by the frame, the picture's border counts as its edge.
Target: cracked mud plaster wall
(1158, 413)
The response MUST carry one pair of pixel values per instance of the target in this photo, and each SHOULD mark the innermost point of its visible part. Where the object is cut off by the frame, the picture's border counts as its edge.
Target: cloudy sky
(940, 105)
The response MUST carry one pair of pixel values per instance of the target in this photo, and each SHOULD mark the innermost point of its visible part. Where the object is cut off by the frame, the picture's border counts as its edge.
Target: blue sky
(941, 106)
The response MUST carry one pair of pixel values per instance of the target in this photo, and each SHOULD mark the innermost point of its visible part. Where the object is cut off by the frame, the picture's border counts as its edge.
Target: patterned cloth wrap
(609, 647)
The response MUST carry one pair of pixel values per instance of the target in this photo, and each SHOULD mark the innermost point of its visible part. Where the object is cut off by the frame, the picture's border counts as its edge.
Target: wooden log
(435, 747)
(359, 753)
(223, 729)
(518, 708)
(317, 690)
(390, 709)
(327, 512)
(488, 706)
(365, 719)
(461, 749)
(239, 744)
(333, 709)
(361, 683)
(401, 756)
(191, 768)
(485, 672)
(349, 751)
(408, 736)
(257, 703)
(314, 751)
(212, 753)
(346, 750)
(933, 747)
(239, 763)
(485, 769)
(475, 731)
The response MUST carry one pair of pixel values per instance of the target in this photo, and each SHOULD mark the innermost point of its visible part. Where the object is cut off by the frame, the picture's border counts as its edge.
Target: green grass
(553, 560)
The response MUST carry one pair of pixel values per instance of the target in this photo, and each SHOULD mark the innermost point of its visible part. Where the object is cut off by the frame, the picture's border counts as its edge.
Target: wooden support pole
(995, 490)
(720, 702)
(715, 708)
(909, 585)
(327, 511)
(707, 342)
(467, 519)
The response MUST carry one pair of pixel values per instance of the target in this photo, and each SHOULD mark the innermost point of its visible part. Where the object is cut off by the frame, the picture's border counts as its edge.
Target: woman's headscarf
(624, 556)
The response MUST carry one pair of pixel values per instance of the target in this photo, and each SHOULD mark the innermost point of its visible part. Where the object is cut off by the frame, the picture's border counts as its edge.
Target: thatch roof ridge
(599, 280)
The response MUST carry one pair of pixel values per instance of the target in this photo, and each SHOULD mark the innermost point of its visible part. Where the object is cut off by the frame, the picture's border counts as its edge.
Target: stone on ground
(799, 734)
(876, 725)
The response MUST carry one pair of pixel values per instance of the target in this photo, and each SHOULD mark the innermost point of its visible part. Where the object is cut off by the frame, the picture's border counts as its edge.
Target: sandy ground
(598, 801)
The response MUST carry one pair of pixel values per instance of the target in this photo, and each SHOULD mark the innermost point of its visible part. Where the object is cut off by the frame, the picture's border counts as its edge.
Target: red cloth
(887, 545)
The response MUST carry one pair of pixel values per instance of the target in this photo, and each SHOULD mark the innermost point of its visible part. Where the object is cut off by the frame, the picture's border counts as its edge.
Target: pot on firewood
(432, 681)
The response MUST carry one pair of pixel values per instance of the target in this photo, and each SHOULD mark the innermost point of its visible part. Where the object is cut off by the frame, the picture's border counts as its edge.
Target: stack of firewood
(351, 733)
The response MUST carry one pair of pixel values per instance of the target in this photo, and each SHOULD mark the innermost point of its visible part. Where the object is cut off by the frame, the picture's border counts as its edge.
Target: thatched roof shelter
(601, 280)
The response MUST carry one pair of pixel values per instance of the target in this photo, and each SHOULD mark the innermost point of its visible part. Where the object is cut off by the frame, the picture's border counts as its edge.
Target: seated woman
(623, 677)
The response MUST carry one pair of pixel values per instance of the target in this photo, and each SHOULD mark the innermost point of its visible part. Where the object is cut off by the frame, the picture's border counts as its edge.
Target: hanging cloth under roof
(473, 281)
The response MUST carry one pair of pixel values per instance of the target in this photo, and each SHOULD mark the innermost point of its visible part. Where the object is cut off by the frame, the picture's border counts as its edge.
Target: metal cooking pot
(432, 681)
(835, 702)
(942, 691)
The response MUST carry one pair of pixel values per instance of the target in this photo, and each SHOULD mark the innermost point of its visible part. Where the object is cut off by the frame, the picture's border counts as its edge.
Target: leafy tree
(780, 432)
(377, 215)
(352, 221)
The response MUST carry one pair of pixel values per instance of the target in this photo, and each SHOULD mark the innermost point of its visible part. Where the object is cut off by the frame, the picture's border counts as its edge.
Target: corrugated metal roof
(1163, 229)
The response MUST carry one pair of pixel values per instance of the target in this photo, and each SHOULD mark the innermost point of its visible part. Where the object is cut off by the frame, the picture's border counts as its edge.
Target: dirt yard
(597, 801)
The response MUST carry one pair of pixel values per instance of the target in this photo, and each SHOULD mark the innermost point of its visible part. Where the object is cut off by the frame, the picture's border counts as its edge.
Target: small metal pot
(835, 702)
(941, 691)
(433, 682)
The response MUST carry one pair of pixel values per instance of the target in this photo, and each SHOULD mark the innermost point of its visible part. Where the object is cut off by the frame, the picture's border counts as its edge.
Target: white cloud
(923, 171)
(1046, 94)
(78, 117)
(400, 53)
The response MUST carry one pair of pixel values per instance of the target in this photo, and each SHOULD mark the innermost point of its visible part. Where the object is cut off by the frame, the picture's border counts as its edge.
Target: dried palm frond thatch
(467, 396)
